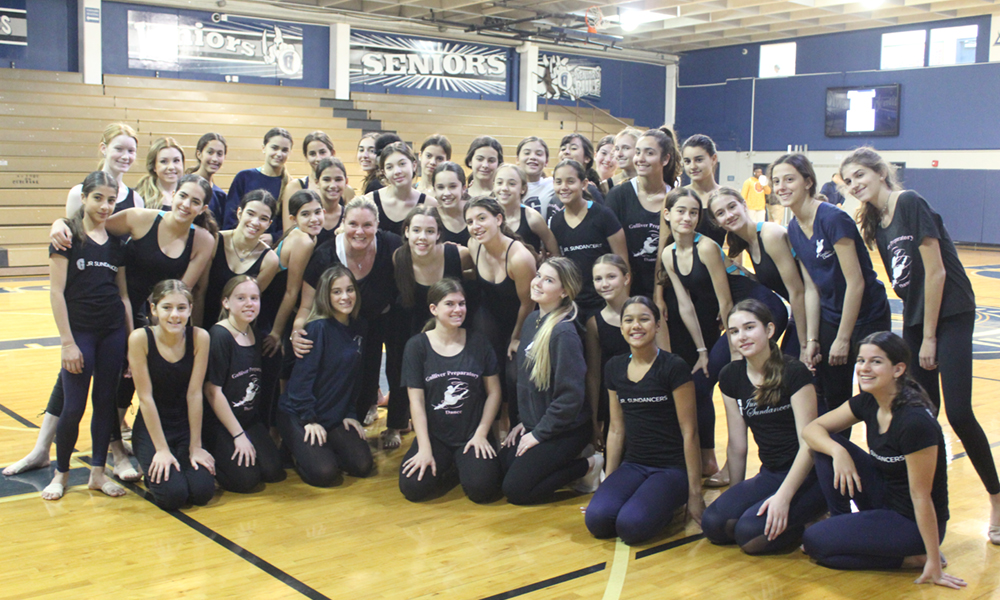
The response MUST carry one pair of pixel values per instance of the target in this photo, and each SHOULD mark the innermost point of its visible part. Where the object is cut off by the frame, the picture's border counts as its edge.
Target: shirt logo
(820, 253)
(454, 395)
(649, 246)
(81, 264)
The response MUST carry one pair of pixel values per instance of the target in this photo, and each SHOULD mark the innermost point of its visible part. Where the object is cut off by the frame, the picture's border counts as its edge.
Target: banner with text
(415, 63)
(220, 44)
(567, 78)
(13, 23)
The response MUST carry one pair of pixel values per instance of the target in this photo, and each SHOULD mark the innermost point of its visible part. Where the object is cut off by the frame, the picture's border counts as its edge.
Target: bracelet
(239, 434)
(812, 340)
(702, 350)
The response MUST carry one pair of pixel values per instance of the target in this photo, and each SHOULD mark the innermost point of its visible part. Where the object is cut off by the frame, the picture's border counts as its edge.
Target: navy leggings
(480, 477)
(103, 353)
(187, 486)
(321, 466)
(636, 502)
(954, 355)
(244, 478)
(389, 329)
(534, 476)
(874, 538)
(732, 518)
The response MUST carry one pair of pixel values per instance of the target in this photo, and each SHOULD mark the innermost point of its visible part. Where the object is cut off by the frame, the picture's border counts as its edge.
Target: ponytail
(770, 390)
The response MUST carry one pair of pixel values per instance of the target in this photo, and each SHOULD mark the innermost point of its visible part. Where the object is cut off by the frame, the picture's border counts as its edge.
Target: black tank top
(420, 313)
(170, 382)
(461, 238)
(147, 265)
(128, 202)
(527, 235)
(612, 344)
(331, 233)
(219, 275)
(304, 182)
(387, 224)
(698, 283)
(499, 305)
(766, 271)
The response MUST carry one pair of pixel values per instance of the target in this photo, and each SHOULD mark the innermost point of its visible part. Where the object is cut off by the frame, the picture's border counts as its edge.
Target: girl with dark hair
(368, 161)
(397, 165)
(624, 152)
(533, 157)
(605, 163)
(210, 154)
(773, 394)
(316, 147)
(612, 280)
(90, 306)
(448, 184)
(164, 166)
(330, 180)
(835, 261)
(435, 151)
(272, 176)
(900, 486)
(235, 430)
(451, 376)
(168, 362)
(698, 160)
(484, 156)
(585, 230)
(543, 452)
(938, 302)
(577, 147)
(653, 407)
(316, 415)
(510, 186)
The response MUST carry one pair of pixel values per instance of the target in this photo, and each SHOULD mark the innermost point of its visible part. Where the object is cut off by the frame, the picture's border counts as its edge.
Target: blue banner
(13, 23)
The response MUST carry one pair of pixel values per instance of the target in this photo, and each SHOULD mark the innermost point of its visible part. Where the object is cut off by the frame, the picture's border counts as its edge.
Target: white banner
(562, 77)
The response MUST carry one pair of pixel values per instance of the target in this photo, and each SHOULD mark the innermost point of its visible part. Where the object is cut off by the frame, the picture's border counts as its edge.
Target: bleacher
(51, 122)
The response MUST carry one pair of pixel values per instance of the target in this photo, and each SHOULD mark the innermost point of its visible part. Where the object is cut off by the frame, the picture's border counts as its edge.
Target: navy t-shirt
(830, 225)
(642, 235)
(584, 244)
(245, 181)
(912, 428)
(652, 431)
(773, 427)
(454, 386)
(899, 245)
(237, 370)
(92, 296)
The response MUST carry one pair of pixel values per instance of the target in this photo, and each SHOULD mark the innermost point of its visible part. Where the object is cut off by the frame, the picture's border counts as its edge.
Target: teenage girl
(90, 306)
(533, 157)
(329, 179)
(605, 163)
(234, 431)
(604, 339)
(833, 258)
(397, 165)
(938, 301)
(164, 167)
(435, 150)
(316, 415)
(118, 150)
(368, 161)
(638, 203)
(577, 147)
(271, 176)
(624, 151)
(316, 147)
(449, 190)
(451, 376)
(653, 407)
(510, 187)
(484, 156)
(168, 362)
(542, 453)
(584, 230)
(773, 394)
(211, 154)
(900, 486)
(699, 159)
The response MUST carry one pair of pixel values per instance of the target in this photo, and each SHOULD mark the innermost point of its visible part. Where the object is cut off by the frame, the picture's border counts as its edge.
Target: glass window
(953, 45)
(903, 49)
(777, 60)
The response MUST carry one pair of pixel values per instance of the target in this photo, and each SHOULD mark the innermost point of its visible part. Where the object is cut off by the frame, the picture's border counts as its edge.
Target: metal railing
(594, 111)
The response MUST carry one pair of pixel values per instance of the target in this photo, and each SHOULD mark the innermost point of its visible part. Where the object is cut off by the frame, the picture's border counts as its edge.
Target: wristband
(700, 350)
(239, 434)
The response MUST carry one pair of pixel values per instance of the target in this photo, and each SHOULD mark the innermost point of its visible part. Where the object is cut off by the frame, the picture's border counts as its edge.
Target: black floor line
(534, 587)
(17, 417)
(668, 546)
(986, 378)
(964, 454)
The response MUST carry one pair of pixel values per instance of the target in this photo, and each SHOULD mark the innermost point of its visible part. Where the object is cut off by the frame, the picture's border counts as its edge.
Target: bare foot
(100, 481)
(919, 560)
(126, 472)
(28, 463)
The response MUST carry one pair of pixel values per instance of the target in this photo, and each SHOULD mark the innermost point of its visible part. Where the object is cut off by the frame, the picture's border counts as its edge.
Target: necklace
(244, 258)
(243, 333)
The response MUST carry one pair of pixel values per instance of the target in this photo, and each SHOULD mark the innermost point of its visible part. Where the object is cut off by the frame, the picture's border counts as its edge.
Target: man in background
(755, 191)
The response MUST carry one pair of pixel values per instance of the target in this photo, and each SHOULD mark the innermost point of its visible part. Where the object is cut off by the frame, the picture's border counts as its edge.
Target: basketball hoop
(595, 19)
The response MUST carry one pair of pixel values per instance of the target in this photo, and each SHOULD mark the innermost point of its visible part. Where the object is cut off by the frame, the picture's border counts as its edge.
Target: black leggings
(954, 355)
(480, 477)
(187, 486)
(389, 329)
(534, 476)
(320, 466)
(57, 398)
(242, 479)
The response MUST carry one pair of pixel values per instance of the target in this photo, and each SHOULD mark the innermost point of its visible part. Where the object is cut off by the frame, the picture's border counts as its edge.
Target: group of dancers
(540, 332)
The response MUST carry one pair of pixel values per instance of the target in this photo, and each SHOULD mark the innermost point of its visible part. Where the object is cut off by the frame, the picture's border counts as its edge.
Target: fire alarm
(934, 163)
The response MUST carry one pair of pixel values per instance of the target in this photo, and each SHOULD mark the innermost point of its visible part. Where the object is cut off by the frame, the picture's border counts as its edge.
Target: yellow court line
(619, 567)
(29, 429)
(19, 497)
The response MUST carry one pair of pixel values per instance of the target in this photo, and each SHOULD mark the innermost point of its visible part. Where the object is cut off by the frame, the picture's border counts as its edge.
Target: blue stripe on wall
(52, 38)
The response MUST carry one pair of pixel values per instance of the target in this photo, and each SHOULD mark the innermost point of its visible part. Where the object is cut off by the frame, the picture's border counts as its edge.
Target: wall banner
(567, 78)
(219, 44)
(405, 62)
(13, 23)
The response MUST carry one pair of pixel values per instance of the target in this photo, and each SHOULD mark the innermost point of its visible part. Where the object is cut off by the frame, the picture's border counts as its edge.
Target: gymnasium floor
(363, 540)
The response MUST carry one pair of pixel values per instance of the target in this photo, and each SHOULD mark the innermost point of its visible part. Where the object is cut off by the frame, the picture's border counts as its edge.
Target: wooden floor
(363, 540)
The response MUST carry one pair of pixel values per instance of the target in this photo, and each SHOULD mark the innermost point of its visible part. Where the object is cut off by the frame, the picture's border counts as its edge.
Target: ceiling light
(629, 19)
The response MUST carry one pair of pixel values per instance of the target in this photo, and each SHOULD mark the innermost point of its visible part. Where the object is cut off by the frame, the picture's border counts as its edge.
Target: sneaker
(589, 483)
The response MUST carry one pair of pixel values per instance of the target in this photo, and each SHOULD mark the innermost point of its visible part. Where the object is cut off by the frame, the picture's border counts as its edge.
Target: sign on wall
(13, 23)
(567, 78)
(404, 62)
(221, 44)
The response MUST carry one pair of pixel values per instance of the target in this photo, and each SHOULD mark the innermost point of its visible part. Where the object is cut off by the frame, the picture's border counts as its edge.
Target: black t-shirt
(378, 289)
(454, 388)
(899, 245)
(912, 428)
(642, 235)
(584, 244)
(773, 427)
(236, 369)
(92, 296)
(651, 426)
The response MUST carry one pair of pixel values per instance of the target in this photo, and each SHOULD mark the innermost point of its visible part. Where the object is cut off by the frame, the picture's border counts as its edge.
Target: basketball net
(595, 19)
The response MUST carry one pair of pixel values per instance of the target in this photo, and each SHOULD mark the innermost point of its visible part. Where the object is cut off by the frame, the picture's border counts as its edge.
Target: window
(777, 60)
(903, 49)
(953, 45)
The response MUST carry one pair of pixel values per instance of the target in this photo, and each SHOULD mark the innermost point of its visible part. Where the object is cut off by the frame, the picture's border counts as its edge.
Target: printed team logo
(821, 251)
(649, 247)
(81, 264)
(253, 387)
(900, 268)
(454, 396)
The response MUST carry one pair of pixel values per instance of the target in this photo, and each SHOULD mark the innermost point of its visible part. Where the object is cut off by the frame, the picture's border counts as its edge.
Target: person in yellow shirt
(755, 191)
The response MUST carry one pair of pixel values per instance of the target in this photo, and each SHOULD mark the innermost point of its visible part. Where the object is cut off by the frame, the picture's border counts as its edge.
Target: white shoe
(589, 483)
